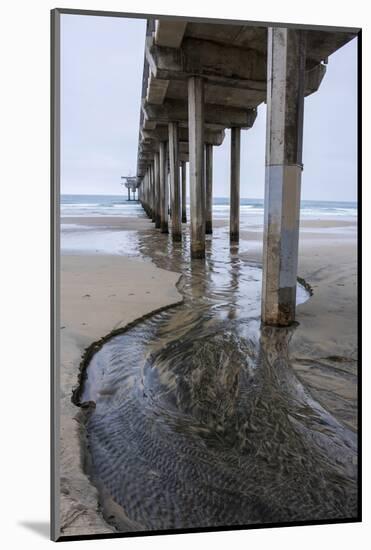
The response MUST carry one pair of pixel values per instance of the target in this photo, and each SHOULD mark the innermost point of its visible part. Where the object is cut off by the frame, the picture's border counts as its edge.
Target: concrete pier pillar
(145, 192)
(184, 191)
(163, 188)
(153, 191)
(196, 165)
(148, 194)
(234, 225)
(148, 185)
(157, 190)
(176, 222)
(168, 188)
(285, 108)
(209, 188)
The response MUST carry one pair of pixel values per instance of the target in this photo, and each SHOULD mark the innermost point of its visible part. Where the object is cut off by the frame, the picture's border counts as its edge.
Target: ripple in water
(199, 419)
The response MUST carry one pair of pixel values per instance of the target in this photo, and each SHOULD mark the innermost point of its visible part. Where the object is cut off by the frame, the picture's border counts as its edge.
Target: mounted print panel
(205, 279)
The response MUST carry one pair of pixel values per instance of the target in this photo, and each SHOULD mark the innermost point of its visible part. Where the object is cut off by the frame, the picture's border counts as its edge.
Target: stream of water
(199, 419)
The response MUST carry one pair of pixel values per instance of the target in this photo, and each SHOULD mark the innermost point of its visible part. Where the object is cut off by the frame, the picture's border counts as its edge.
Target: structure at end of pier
(131, 183)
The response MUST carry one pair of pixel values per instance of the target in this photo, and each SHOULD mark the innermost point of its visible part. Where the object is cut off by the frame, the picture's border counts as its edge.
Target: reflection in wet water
(77, 239)
(200, 421)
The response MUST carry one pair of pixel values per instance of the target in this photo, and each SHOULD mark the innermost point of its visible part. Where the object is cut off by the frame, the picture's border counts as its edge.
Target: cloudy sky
(102, 63)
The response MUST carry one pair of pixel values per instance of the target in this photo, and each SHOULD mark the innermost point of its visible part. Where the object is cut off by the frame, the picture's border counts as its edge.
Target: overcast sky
(102, 64)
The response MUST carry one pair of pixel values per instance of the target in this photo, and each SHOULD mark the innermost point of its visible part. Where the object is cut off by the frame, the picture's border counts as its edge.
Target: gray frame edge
(55, 272)
(132, 15)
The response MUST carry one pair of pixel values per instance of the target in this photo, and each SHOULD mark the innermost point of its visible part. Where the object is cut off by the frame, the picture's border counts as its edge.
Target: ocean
(80, 237)
(251, 209)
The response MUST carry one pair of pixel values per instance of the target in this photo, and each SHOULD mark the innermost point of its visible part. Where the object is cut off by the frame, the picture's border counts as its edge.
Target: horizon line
(215, 197)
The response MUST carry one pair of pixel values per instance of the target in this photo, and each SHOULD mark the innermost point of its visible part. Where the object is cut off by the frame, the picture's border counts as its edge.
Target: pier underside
(201, 79)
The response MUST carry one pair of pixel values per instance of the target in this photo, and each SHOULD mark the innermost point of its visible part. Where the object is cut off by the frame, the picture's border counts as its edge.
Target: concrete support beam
(218, 63)
(147, 156)
(313, 78)
(158, 192)
(209, 188)
(149, 125)
(172, 110)
(234, 224)
(160, 133)
(169, 33)
(285, 108)
(182, 157)
(176, 222)
(156, 90)
(196, 165)
(163, 188)
(230, 96)
(183, 165)
(148, 149)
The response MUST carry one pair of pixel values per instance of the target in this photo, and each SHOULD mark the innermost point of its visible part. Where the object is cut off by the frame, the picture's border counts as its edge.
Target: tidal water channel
(199, 419)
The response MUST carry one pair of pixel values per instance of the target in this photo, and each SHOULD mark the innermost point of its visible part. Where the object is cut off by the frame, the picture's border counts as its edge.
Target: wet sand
(323, 347)
(98, 294)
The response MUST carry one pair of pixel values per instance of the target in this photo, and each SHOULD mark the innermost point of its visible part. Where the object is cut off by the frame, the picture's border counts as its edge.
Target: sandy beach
(98, 294)
(103, 292)
(324, 345)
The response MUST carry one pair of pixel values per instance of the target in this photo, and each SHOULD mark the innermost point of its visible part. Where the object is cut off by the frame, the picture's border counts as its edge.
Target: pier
(200, 79)
(131, 184)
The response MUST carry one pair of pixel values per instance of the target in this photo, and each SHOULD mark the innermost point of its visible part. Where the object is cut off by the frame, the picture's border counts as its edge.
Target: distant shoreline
(216, 198)
(251, 210)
